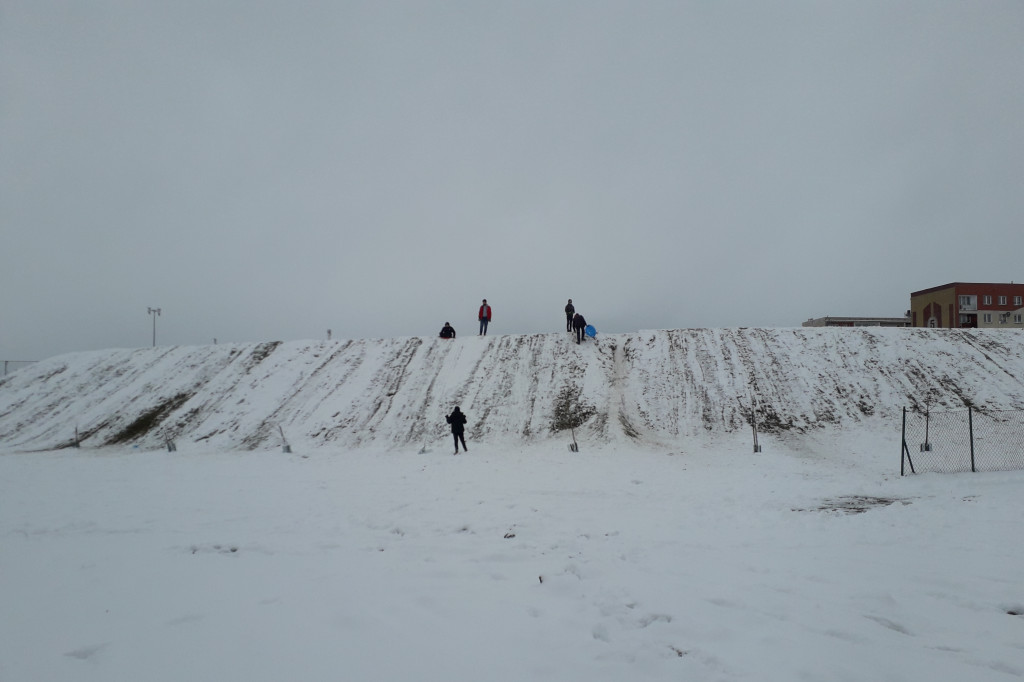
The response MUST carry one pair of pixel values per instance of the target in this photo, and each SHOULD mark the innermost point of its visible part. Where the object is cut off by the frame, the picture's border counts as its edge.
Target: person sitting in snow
(458, 421)
(447, 331)
(579, 324)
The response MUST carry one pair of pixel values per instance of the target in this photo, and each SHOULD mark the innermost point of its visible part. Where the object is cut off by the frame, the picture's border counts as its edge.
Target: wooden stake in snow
(753, 418)
(285, 448)
(753, 421)
(573, 446)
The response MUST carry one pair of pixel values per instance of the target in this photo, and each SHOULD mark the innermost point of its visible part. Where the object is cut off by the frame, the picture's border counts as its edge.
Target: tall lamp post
(154, 312)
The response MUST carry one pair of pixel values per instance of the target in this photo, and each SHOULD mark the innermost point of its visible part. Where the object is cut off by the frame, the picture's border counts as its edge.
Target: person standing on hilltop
(569, 310)
(485, 317)
(458, 421)
(579, 324)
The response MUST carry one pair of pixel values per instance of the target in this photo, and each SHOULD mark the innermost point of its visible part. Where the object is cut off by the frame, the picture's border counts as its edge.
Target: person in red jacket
(485, 317)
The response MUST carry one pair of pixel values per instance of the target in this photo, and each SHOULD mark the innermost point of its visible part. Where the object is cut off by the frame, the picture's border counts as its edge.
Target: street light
(154, 312)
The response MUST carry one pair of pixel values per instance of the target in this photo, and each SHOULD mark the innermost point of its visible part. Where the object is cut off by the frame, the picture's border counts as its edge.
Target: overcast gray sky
(271, 170)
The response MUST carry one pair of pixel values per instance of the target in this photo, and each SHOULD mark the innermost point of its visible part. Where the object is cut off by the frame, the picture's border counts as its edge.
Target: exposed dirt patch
(260, 353)
(148, 420)
(853, 504)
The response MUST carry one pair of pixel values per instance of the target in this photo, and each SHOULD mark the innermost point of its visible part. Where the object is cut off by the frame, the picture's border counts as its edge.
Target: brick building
(969, 305)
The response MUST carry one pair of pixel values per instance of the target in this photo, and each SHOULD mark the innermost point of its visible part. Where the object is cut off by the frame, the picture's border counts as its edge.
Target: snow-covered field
(665, 549)
(507, 564)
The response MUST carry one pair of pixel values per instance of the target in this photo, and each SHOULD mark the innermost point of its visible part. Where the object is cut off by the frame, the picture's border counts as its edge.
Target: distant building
(969, 305)
(858, 322)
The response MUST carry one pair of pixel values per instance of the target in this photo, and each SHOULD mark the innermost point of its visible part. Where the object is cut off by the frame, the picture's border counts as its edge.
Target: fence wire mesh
(963, 440)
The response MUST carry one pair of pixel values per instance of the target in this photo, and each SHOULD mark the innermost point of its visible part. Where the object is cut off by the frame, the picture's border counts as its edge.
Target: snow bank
(648, 387)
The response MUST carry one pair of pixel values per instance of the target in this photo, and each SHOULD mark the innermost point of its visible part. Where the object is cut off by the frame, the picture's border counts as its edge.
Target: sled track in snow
(653, 386)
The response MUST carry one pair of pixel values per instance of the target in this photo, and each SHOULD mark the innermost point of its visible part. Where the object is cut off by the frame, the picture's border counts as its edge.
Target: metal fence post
(970, 428)
(927, 447)
(903, 446)
(905, 454)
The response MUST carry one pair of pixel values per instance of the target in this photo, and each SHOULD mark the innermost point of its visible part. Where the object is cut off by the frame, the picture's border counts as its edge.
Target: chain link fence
(970, 439)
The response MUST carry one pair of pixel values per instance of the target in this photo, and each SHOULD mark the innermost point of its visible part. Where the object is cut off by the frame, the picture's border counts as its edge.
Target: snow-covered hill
(651, 386)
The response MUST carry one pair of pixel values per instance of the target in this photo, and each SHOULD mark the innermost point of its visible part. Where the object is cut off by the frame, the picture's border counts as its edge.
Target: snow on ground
(650, 387)
(508, 563)
(664, 550)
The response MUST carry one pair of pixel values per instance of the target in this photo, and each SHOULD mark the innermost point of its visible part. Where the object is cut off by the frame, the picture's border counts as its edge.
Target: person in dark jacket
(579, 324)
(447, 331)
(458, 421)
(569, 310)
(485, 317)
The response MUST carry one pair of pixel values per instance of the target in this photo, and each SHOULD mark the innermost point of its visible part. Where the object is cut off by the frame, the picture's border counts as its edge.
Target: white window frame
(987, 318)
(988, 300)
(1016, 300)
(1002, 300)
(1017, 318)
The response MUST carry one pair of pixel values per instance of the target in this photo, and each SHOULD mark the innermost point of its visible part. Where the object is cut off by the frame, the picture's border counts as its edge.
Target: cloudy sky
(271, 170)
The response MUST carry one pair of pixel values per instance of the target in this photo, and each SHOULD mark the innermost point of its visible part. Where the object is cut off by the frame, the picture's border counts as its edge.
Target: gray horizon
(262, 171)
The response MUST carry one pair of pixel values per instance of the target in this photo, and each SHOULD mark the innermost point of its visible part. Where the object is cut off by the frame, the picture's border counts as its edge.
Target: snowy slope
(647, 387)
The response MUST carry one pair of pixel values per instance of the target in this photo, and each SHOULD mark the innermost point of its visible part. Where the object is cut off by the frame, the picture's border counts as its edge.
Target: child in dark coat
(579, 324)
(458, 421)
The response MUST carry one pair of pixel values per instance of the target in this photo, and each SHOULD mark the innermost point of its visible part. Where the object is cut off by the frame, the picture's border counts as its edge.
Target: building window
(1002, 300)
(988, 300)
(987, 318)
(1016, 300)
(1017, 318)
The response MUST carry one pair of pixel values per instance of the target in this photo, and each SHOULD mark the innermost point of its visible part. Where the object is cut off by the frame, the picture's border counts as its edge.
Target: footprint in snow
(87, 652)
(885, 622)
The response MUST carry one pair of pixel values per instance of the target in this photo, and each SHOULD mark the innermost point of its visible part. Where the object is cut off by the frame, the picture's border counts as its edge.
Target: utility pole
(154, 312)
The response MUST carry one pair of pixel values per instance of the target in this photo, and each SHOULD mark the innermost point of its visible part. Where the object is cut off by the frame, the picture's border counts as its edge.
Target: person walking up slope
(485, 317)
(569, 310)
(579, 324)
(458, 421)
